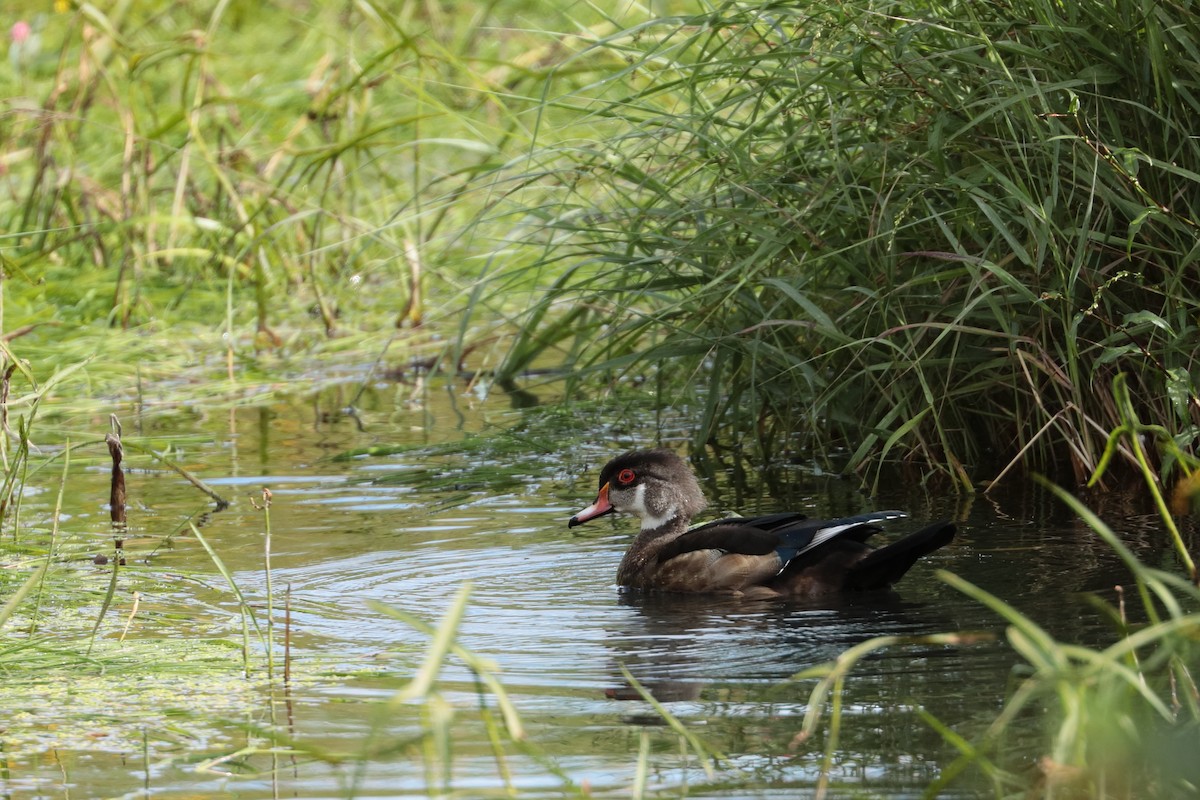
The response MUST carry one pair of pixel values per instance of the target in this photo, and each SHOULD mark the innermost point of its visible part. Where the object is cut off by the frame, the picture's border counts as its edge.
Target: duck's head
(656, 486)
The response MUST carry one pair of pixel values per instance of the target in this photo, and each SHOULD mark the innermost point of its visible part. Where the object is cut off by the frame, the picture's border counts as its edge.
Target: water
(408, 529)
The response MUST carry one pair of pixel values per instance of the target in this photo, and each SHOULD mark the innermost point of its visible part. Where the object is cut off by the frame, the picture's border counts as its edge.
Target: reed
(917, 234)
(434, 743)
(886, 235)
(162, 176)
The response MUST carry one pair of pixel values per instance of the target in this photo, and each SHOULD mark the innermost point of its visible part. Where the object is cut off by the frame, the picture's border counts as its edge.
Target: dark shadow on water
(675, 645)
(518, 397)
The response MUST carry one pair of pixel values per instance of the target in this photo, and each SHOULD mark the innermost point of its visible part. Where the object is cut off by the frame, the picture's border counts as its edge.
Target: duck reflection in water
(675, 645)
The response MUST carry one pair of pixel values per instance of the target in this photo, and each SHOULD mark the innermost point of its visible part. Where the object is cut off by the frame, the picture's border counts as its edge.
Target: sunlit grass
(263, 188)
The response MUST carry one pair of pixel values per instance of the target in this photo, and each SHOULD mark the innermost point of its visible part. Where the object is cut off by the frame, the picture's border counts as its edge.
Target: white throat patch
(649, 521)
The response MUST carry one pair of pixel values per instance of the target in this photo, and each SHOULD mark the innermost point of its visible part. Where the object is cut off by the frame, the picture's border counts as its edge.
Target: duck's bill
(596, 509)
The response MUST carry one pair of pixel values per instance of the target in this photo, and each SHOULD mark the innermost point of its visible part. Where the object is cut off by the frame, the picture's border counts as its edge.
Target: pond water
(481, 492)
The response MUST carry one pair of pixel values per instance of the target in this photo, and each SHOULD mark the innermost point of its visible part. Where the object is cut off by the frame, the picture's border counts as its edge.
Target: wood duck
(778, 555)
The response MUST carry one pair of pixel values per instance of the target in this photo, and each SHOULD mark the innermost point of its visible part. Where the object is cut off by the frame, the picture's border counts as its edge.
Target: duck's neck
(653, 525)
(640, 559)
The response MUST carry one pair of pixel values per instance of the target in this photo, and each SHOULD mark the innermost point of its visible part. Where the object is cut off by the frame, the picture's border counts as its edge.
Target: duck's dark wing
(725, 535)
(788, 534)
(768, 522)
(807, 535)
(846, 565)
(787, 554)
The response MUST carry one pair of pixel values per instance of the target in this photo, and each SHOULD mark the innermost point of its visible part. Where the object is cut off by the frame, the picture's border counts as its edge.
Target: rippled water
(407, 529)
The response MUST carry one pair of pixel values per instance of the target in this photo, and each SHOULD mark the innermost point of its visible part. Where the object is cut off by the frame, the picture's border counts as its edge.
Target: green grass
(889, 234)
(926, 235)
(257, 183)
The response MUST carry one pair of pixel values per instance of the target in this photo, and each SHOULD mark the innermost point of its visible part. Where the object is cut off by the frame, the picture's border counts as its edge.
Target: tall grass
(889, 232)
(246, 178)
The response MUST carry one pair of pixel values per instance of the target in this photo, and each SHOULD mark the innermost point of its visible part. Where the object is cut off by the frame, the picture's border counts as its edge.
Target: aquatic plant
(886, 233)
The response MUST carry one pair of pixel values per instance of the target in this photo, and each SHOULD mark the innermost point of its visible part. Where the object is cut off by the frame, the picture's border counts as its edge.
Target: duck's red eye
(626, 476)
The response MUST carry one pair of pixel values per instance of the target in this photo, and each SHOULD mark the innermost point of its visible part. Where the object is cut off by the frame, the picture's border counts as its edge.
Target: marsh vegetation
(933, 246)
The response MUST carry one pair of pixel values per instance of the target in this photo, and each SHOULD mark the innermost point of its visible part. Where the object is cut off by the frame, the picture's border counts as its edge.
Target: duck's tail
(883, 567)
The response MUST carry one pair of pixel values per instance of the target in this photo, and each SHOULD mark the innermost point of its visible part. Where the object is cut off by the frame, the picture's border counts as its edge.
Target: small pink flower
(20, 31)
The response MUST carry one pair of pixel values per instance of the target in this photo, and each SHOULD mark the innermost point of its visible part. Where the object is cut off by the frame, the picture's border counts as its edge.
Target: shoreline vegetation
(960, 240)
(876, 239)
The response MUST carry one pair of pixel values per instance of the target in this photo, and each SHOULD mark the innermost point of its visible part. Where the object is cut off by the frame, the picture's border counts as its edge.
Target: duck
(781, 555)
